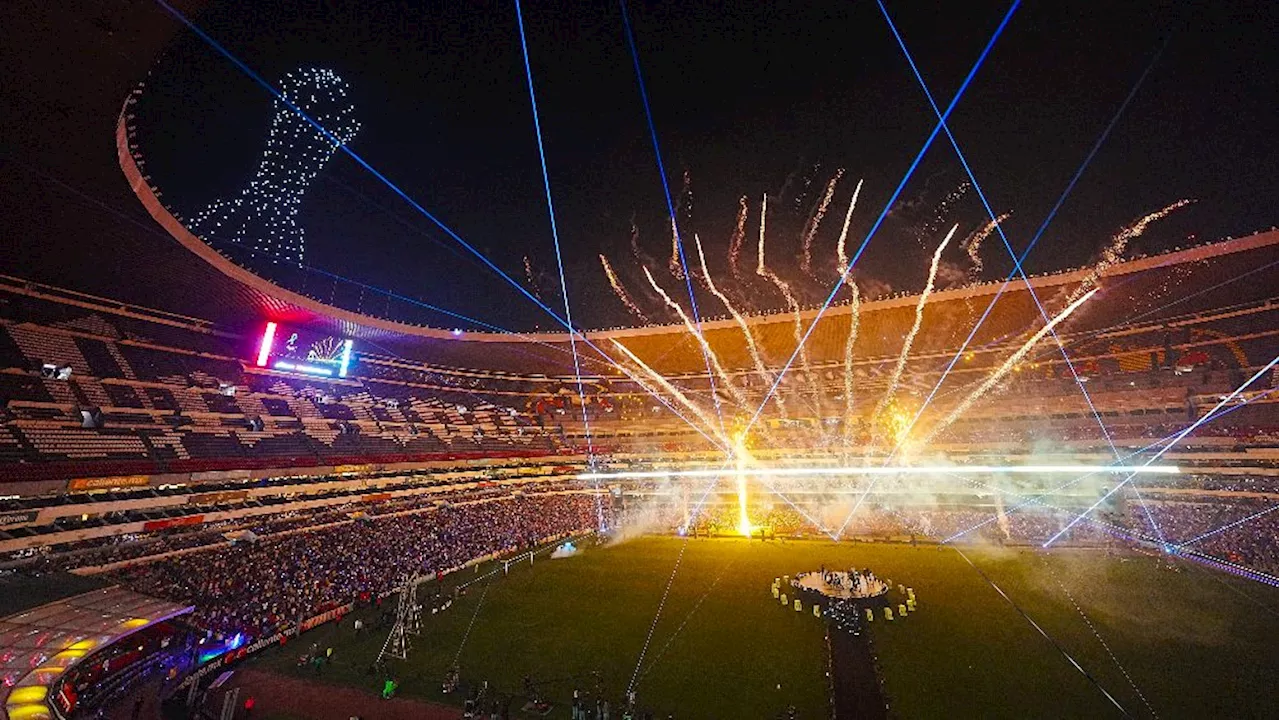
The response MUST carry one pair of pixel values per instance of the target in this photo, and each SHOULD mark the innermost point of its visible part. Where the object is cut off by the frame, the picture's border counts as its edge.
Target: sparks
(973, 244)
(1114, 251)
(620, 291)
(1006, 367)
(739, 234)
(737, 317)
(811, 229)
(899, 366)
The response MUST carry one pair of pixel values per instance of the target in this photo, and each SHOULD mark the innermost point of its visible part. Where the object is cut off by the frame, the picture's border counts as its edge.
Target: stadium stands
(166, 408)
(157, 398)
(258, 587)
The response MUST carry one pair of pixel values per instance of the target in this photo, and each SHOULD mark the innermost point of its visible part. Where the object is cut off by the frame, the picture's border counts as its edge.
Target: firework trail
(811, 230)
(762, 269)
(684, 208)
(764, 205)
(621, 291)
(973, 244)
(675, 392)
(657, 393)
(1115, 251)
(842, 260)
(702, 341)
(673, 262)
(528, 274)
(765, 377)
(855, 310)
(1004, 369)
(635, 242)
(940, 213)
(896, 376)
(735, 242)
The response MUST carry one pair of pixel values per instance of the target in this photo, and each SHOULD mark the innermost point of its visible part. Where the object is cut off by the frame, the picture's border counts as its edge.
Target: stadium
(234, 483)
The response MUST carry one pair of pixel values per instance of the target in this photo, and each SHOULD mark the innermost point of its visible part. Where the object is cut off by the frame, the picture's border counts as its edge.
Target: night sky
(748, 98)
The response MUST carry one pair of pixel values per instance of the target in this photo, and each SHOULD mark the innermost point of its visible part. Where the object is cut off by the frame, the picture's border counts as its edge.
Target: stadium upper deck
(1233, 273)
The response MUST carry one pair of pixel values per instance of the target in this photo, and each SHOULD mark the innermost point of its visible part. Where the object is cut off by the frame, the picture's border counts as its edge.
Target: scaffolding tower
(408, 623)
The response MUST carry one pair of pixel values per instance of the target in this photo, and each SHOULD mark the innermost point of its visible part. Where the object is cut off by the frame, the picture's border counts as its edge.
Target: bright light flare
(745, 472)
(741, 456)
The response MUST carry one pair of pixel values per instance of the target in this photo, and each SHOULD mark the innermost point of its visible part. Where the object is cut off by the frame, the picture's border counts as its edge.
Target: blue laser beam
(973, 180)
(1178, 438)
(310, 268)
(1094, 629)
(671, 211)
(381, 291)
(1017, 263)
(396, 189)
(1046, 636)
(1188, 554)
(555, 236)
(1053, 212)
(1139, 451)
(1228, 526)
(1133, 535)
(635, 676)
(1237, 570)
(884, 213)
(359, 160)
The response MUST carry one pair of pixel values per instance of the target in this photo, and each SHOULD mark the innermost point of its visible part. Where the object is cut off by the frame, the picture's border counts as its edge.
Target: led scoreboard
(303, 352)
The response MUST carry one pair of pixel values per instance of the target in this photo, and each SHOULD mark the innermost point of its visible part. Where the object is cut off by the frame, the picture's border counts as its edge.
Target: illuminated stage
(842, 585)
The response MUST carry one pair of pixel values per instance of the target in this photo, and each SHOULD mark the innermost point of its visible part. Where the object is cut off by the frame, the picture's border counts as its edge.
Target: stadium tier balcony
(122, 396)
(10, 353)
(102, 362)
(161, 385)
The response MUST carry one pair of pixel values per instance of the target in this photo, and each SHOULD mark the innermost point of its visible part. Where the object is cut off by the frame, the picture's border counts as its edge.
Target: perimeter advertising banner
(107, 483)
(18, 517)
(172, 522)
(350, 469)
(218, 475)
(214, 498)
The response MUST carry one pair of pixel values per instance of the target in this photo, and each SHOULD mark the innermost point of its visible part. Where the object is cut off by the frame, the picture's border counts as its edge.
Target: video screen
(304, 352)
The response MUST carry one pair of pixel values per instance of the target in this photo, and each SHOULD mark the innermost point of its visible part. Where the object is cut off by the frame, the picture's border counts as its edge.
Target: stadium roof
(40, 644)
(1152, 284)
(1151, 288)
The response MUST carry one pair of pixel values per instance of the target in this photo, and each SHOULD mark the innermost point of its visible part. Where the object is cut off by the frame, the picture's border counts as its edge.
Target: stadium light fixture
(344, 363)
(302, 368)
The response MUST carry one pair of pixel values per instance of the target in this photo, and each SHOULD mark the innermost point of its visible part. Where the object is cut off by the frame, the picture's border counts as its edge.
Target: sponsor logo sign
(108, 483)
(18, 517)
(172, 522)
(217, 497)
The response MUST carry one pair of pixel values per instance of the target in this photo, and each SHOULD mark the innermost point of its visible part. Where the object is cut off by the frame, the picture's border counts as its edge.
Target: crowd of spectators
(257, 588)
(1251, 542)
(888, 523)
(1243, 533)
(133, 546)
(1228, 483)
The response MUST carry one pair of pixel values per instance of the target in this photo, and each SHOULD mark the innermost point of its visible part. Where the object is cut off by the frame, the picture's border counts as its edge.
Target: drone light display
(263, 217)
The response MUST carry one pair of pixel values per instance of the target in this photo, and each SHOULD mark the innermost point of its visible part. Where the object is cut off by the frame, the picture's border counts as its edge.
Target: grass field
(1193, 643)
